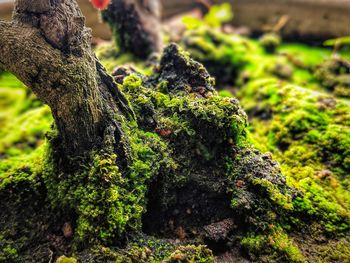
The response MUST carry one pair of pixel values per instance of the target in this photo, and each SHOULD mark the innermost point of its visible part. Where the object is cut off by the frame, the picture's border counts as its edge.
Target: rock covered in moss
(270, 42)
(189, 166)
(182, 72)
(227, 177)
(307, 132)
(256, 176)
(24, 217)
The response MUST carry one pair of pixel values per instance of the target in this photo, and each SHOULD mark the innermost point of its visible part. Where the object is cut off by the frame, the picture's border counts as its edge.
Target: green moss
(185, 133)
(274, 247)
(185, 114)
(23, 120)
(336, 251)
(274, 193)
(24, 211)
(182, 114)
(218, 15)
(159, 251)
(151, 250)
(293, 117)
(64, 259)
(27, 132)
(200, 254)
(311, 131)
(105, 199)
(334, 74)
(17, 169)
(113, 58)
(270, 42)
(7, 251)
(320, 203)
(224, 60)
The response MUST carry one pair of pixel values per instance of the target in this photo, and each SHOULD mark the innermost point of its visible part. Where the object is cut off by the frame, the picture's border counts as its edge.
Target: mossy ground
(290, 94)
(294, 113)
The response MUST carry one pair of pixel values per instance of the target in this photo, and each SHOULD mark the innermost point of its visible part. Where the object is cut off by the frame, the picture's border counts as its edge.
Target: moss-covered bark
(48, 48)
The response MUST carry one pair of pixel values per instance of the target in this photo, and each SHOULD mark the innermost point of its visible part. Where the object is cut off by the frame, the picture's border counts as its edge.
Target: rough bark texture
(47, 46)
(135, 25)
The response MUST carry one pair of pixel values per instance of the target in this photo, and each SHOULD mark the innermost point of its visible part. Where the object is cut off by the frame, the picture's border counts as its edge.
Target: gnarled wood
(47, 47)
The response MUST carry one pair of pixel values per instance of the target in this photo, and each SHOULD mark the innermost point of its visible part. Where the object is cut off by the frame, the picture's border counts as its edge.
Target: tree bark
(135, 25)
(47, 46)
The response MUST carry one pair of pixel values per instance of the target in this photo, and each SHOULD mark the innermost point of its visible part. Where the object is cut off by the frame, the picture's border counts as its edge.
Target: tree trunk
(47, 46)
(135, 25)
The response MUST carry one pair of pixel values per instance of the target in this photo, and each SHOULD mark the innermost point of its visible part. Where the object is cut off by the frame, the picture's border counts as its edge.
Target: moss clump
(64, 259)
(24, 217)
(260, 191)
(192, 253)
(334, 74)
(285, 93)
(309, 129)
(186, 118)
(106, 199)
(179, 71)
(7, 251)
(277, 246)
(257, 190)
(270, 42)
(145, 249)
(222, 56)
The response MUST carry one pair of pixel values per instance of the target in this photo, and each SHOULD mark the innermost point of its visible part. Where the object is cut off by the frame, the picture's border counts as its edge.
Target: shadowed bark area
(47, 46)
(135, 25)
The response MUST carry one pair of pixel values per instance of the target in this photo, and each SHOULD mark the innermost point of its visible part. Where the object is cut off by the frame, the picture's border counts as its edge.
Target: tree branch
(48, 48)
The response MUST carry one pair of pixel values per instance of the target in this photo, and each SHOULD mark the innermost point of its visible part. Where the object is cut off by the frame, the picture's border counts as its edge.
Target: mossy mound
(298, 115)
(189, 166)
(334, 74)
(191, 187)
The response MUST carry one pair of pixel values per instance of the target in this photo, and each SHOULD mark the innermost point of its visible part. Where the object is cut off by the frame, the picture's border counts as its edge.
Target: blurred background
(300, 20)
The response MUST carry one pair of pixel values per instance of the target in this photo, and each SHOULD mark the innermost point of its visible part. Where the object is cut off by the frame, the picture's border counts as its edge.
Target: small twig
(51, 255)
(281, 23)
